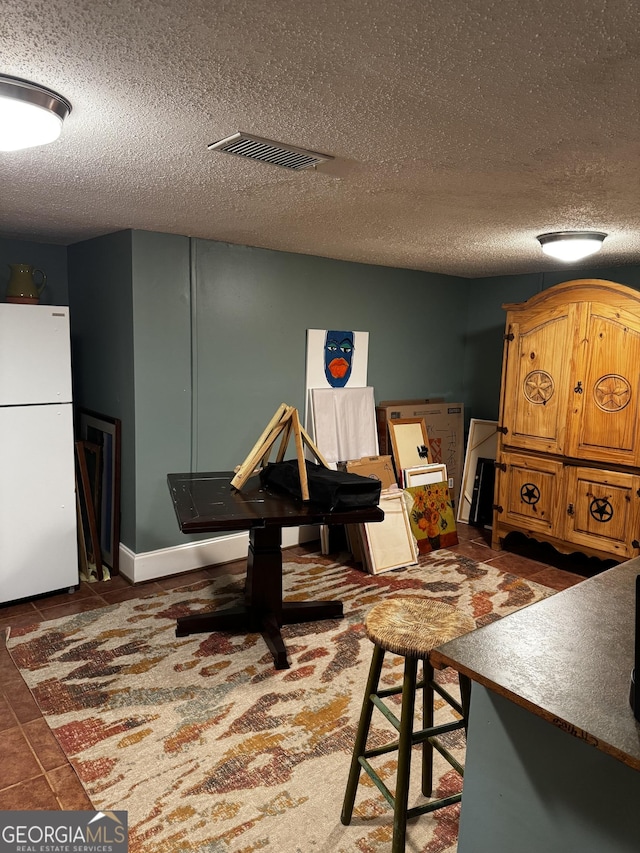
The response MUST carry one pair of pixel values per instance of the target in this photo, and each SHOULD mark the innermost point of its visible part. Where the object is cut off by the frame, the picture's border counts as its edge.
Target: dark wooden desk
(207, 503)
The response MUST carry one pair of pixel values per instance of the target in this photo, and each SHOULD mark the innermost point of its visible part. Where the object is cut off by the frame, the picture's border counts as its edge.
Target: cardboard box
(378, 467)
(388, 409)
(445, 428)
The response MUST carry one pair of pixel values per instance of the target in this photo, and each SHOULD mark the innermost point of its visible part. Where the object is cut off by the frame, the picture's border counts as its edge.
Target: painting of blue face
(338, 356)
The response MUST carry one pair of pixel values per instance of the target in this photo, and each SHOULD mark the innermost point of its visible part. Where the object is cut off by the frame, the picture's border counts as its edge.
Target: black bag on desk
(335, 490)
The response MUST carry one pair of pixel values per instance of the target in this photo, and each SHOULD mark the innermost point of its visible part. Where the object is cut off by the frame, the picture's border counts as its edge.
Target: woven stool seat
(414, 626)
(410, 627)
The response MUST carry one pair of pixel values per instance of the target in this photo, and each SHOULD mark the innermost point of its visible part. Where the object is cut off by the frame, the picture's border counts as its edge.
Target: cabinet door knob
(570, 510)
(578, 389)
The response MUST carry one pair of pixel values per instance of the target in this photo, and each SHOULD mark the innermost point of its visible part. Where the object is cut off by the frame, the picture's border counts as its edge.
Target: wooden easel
(284, 422)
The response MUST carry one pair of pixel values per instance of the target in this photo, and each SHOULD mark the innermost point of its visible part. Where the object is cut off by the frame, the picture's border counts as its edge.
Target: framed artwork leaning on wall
(409, 443)
(105, 431)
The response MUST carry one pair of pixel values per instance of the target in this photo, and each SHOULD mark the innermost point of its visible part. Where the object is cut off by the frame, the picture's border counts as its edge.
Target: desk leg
(270, 631)
(263, 590)
(263, 609)
(263, 587)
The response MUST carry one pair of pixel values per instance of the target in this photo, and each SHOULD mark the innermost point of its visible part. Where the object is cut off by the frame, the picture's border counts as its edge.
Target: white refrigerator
(38, 542)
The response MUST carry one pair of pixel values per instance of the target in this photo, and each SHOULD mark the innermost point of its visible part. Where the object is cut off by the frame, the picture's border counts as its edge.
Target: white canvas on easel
(344, 423)
(482, 442)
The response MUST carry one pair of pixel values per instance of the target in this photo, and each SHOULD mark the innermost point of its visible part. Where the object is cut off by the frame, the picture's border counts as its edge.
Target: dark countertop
(567, 659)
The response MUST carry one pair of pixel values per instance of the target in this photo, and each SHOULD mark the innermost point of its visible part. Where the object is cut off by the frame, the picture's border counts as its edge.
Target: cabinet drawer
(602, 509)
(529, 493)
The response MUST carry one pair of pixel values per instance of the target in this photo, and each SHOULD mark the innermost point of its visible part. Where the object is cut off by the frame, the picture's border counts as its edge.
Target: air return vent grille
(268, 151)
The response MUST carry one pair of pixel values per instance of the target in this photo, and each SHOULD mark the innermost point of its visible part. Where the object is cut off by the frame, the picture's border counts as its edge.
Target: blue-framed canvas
(105, 431)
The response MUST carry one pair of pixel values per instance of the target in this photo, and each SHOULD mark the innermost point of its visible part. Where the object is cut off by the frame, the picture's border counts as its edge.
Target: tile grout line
(25, 734)
(32, 778)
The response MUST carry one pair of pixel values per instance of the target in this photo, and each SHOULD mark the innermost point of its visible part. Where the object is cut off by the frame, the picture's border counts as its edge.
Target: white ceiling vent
(268, 151)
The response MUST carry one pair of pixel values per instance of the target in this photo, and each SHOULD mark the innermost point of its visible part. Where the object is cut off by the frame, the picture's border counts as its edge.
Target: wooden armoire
(568, 459)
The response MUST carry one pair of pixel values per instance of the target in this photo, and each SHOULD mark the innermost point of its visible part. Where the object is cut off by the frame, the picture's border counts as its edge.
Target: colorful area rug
(208, 747)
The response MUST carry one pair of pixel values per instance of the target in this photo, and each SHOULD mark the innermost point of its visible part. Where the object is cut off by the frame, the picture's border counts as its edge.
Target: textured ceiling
(460, 130)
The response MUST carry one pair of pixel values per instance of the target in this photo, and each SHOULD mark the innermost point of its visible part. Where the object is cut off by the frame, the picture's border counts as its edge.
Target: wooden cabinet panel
(605, 428)
(529, 493)
(602, 510)
(537, 387)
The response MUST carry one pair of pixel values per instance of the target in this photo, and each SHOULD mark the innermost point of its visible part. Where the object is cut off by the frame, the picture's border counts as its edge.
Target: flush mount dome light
(30, 115)
(571, 245)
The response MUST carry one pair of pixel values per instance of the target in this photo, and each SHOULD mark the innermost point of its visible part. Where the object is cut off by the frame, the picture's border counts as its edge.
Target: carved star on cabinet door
(538, 387)
(612, 392)
(530, 494)
(601, 509)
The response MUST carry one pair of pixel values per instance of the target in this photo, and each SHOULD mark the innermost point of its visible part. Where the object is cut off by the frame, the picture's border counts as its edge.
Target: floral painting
(431, 516)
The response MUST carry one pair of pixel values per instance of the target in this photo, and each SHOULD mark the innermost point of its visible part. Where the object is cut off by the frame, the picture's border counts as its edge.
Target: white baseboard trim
(164, 562)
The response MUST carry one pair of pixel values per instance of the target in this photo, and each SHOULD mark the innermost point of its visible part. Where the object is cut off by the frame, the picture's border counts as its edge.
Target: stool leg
(404, 755)
(362, 733)
(427, 723)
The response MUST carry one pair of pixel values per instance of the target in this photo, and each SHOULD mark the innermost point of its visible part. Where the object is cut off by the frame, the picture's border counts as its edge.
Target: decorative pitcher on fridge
(26, 283)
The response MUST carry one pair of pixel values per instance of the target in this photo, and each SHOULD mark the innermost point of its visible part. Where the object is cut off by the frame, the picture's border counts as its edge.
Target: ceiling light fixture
(30, 115)
(571, 245)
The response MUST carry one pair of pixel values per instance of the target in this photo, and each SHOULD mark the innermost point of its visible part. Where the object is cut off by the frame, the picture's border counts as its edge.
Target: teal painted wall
(130, 324)
(252, 308)
(51, 259)
(193, 345)
(162, 379)
(101, 312)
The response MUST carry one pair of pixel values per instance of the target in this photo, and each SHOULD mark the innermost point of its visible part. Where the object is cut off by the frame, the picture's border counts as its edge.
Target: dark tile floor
(36, 774)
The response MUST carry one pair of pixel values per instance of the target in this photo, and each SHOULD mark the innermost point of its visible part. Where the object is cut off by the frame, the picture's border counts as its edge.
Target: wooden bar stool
(410, 627)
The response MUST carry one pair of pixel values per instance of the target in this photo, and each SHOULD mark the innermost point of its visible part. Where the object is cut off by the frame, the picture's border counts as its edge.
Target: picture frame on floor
(389, 544)
(87, 496)
(422, 475)
(431, 516)
(105, 431)
(482, 442)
